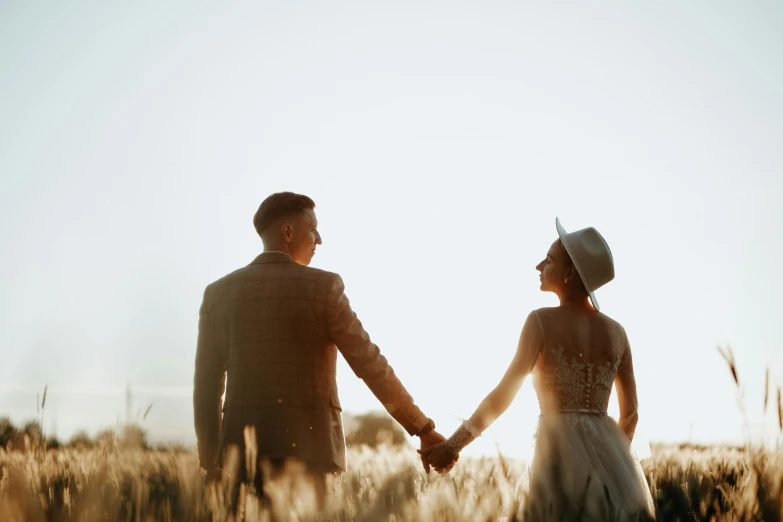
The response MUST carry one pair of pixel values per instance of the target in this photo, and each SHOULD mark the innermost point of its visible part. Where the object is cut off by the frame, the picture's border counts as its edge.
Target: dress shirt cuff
(418, 422)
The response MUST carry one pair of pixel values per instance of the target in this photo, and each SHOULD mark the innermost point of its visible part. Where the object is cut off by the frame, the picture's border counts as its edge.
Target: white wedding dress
(583, 466)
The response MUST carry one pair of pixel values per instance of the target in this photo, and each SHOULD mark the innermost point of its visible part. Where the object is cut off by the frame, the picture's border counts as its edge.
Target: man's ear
(288, 232)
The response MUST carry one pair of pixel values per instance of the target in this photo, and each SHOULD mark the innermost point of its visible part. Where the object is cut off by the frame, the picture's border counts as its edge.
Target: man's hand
(440, 456)
(429, 440)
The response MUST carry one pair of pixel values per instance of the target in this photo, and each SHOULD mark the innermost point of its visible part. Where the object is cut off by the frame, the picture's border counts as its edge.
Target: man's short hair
(278, 206)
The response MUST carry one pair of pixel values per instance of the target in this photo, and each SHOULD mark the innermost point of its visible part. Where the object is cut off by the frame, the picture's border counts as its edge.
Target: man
(273, 328)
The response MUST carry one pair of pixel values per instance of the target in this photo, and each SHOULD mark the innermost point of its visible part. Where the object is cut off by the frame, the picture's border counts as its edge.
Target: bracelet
(471, 428)
(464, 435)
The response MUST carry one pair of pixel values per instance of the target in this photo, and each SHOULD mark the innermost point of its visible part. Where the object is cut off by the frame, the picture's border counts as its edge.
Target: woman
(583, 466)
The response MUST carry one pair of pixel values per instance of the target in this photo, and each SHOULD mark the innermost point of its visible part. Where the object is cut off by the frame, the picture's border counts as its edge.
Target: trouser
(283, 479)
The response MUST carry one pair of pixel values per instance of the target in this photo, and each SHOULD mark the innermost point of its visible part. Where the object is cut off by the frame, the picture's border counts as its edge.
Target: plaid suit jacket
(268, 337)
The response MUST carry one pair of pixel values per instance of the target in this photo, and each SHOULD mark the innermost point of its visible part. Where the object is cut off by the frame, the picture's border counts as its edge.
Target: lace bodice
(565, 381)
(580, 385)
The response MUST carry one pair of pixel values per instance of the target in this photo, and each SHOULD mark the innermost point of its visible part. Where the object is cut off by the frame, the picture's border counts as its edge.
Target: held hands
(440, 456)
(443, 454)
(436, 453)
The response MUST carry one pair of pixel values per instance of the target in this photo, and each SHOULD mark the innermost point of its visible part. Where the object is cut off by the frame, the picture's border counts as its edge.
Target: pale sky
(439, 141)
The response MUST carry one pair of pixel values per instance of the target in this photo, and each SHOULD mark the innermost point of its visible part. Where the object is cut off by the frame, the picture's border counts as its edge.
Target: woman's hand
(440, 456)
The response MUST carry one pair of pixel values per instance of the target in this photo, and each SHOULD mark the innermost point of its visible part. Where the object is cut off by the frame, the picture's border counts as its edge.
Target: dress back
(578, 362)
(583, 467)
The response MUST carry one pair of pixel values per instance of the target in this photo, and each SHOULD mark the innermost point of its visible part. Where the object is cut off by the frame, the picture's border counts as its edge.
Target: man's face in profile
(305, 237)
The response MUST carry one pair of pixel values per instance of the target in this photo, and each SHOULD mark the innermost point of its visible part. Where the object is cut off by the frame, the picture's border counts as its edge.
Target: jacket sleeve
(366, 361)
(209, 383)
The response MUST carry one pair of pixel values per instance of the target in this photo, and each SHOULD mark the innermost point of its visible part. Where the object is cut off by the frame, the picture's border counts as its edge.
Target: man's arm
(367, 363)
(209, 383)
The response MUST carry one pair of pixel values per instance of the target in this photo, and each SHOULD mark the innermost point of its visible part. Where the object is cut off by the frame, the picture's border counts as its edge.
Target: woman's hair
(570, 262)
(279, 205)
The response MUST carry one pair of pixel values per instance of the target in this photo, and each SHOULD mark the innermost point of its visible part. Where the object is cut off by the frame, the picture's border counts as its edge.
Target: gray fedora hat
(591, 256)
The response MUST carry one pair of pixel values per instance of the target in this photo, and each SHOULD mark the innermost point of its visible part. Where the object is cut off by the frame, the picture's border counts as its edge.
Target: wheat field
(117, 478)
(112, 483)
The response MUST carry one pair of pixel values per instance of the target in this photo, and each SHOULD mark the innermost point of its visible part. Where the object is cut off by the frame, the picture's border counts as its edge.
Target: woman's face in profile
(552, 268)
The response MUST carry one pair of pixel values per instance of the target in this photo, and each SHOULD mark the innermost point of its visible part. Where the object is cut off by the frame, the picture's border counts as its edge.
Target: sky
(439, 140)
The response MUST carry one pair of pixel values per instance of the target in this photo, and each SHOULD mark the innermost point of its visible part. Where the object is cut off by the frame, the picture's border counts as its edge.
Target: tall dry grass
(117, 482)
(387, 484)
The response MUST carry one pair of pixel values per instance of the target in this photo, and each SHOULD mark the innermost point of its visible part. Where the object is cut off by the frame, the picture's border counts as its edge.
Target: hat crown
(591, 256)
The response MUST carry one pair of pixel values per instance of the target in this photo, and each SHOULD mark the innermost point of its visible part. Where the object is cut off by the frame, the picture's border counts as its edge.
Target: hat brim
(562, 233)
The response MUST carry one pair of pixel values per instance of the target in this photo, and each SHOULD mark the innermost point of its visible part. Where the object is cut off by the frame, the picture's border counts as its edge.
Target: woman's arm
(499, 399)
(625, 382)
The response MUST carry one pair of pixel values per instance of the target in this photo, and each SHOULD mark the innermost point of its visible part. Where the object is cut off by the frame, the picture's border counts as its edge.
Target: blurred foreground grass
(111, 483)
